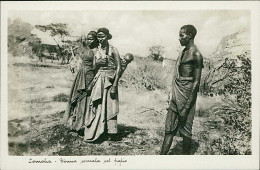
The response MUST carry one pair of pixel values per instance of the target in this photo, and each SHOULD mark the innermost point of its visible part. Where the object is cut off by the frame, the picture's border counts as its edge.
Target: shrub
(146, 73)
(235, 87)
(61, 97)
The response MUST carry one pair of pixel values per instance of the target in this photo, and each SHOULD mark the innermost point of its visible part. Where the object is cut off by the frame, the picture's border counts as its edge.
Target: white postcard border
(140, 161)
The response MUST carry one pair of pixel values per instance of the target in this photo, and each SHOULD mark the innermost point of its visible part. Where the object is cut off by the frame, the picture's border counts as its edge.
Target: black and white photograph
(129, 82)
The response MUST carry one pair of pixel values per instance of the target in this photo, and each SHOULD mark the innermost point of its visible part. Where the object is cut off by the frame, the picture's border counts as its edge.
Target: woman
(101, 116)
(78, 99)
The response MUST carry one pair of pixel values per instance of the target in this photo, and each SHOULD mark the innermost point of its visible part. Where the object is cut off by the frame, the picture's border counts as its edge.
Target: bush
(61, 98)
(145, 73)
(235, 87)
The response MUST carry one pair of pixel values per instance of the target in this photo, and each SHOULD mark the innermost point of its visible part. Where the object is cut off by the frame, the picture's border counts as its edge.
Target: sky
(136, 31)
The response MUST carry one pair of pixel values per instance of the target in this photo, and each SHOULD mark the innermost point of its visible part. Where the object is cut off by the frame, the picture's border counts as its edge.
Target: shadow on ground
(177, 149)
(123, 132)
(59, 140)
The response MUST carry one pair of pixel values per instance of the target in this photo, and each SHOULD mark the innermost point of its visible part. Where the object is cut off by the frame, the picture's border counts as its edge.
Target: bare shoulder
(197, 57)
(114, 49)
(197, 54)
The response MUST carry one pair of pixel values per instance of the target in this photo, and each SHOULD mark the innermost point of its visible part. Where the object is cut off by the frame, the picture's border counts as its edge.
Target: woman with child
(101, 105)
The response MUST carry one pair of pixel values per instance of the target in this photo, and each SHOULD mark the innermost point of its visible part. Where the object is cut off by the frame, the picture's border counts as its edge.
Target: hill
(232, 50)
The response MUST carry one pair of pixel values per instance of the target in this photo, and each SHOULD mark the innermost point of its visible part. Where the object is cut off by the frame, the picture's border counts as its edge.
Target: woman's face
(102, 38)
(90, 40)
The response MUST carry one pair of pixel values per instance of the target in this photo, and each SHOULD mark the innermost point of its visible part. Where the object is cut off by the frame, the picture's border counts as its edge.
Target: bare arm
(94, 62)
(195, 88)
(118, 68)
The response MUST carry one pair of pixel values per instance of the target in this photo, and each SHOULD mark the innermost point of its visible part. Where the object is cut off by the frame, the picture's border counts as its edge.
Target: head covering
(93, 33)
(105, 31)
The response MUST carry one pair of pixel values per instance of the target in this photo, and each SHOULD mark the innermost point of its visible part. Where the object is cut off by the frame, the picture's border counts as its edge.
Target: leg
(170, 131)
(112, 129)
(186, 145)
(167, 142)
(186, 132)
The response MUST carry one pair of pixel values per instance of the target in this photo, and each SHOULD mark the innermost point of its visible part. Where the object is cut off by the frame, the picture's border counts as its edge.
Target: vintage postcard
(130, 85)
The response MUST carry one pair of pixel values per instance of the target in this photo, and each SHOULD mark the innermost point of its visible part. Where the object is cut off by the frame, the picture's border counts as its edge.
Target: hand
(73, 103)
(101, 61)
(113, 92)
(183, 115)
(89, 89)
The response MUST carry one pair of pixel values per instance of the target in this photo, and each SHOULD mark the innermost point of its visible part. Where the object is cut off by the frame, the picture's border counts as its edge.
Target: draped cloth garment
(75, 115)
(181, 89)
(101, 116)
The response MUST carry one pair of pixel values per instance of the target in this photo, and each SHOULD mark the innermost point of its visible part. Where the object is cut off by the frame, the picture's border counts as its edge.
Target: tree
(20, 39)
(157, 52)
(57, 30)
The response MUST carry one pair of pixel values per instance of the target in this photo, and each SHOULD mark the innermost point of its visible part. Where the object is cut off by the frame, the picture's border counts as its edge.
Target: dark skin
(127, 59)
(191, 66)
(194, 54)
(89, 42)
(103, 41)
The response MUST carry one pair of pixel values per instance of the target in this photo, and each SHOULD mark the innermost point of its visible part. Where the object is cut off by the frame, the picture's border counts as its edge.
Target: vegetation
(20, 40)
(157, 52)
(236, 113)
(56, 31)
(61, 98)
(222, 127)
(145, 73)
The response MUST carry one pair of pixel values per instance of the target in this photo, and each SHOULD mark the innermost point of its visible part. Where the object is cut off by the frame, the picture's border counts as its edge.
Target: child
(127, 59)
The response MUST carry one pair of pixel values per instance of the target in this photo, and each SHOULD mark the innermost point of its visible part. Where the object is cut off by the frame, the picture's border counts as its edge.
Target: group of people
(93, 104)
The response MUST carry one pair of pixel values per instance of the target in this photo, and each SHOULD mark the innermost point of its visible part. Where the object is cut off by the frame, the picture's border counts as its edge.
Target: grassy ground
(37, 101)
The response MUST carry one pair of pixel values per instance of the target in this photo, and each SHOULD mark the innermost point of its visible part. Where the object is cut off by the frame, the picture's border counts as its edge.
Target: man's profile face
(184, 38)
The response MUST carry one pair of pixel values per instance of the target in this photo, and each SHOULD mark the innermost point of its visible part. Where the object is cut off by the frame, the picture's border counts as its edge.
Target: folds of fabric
(181, 89)
(78, 114)
(78, 100)
(101, 107)
(77, 88)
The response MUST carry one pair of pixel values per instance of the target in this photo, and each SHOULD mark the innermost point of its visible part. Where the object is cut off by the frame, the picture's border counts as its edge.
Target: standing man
(183, 96)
